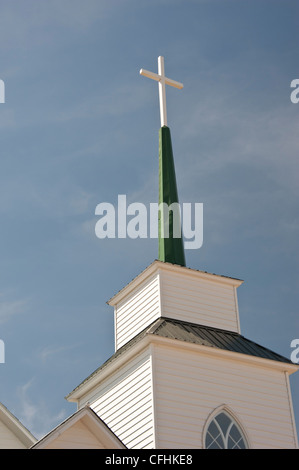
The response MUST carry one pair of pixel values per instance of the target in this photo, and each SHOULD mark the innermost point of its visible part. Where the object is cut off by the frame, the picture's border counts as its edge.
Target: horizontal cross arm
(157, 77)
(170, 82)
(151, 75)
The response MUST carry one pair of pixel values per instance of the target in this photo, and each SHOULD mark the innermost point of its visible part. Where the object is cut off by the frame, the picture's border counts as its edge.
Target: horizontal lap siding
(189, 386)
(199, 301)
(78, 437)
(8, 440)
(187, 297)
(139, 310)
(124, 403)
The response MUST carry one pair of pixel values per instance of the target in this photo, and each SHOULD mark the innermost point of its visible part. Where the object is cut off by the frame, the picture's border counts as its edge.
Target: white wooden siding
(137, 311)
(177, 293)
(77, 437)
(8, 440)
(194, 299)
(124, 403)
(190, 385)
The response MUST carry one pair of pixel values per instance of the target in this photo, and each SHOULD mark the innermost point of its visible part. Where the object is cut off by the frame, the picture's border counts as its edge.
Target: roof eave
(156, 265)
(102, 373)
(149, 337)
(217, 352)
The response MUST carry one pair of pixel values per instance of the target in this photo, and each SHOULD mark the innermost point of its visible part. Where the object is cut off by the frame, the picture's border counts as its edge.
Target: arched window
(224, 433)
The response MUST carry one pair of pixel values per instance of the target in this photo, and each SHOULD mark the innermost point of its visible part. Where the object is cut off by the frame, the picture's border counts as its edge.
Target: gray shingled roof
(196, 334)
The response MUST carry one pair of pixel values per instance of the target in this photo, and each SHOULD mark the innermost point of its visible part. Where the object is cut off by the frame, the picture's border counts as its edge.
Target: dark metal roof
(212, 337)
(196, 334)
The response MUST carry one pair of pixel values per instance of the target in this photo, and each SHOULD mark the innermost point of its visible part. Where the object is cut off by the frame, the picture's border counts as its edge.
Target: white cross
(160, 77)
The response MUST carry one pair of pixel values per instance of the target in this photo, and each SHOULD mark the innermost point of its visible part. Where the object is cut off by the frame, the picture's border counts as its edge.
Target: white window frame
(234, 421)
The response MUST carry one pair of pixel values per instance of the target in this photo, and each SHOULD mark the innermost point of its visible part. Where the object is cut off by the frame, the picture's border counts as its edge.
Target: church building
(182, 375)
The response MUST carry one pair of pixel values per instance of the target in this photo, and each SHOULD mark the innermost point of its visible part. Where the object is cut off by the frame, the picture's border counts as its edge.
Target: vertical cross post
(162, 81)
(162, 91)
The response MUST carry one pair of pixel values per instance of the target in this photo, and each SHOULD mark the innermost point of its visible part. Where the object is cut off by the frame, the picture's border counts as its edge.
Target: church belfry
(183, 375)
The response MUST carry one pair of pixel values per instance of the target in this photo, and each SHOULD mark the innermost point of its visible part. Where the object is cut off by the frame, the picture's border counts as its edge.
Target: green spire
(171, 245)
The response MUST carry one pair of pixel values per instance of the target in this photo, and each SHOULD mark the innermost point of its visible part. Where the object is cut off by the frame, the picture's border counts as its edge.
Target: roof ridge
(200, 325)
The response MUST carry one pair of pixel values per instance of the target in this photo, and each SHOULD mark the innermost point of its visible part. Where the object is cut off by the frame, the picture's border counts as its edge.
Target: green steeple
(171, 245)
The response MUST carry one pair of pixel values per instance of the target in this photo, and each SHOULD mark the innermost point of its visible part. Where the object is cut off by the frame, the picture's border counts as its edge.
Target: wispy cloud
(116, 101)
(246, 169)
(51, 351)
(229, 132)
(10, 308)
(29, 20)
(36, 416)
(7, 118)
(63, 198)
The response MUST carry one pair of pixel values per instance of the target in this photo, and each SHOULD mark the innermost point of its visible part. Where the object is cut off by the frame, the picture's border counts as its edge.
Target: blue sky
(79, 126)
